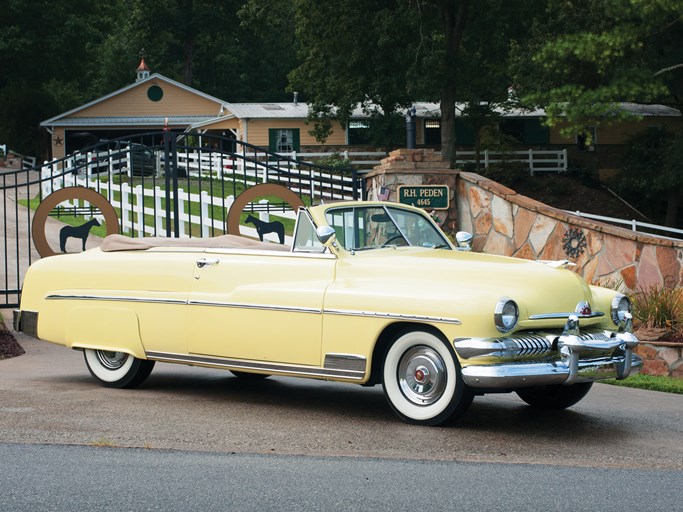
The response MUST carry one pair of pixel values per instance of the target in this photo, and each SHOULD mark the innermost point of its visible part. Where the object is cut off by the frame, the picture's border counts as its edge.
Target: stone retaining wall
(661, 358)
(507, 223)
(511, 224)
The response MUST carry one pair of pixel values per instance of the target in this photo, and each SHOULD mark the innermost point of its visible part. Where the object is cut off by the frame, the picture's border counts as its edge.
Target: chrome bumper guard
(545, 359)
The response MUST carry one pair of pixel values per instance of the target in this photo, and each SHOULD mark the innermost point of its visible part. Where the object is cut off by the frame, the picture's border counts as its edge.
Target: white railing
(139, 220)
(536, 160)
(316, 184)
(363, 161)
(633, 224)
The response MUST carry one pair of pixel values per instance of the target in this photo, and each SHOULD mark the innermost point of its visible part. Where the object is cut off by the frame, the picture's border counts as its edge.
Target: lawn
(651, 382)
(213, 187)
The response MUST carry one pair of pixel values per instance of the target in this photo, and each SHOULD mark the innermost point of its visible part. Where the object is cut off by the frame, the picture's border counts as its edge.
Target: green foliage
(651, 382)
(652, 174)
(658, 306)
(587, 56)
(335, 161)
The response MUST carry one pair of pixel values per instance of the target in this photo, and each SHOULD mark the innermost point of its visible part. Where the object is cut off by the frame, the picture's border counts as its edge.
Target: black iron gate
(159, 184)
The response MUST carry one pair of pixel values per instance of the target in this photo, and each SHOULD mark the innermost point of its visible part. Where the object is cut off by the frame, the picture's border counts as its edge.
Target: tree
(653, 169)
(45, 70)
(385, 54)
(587, 56)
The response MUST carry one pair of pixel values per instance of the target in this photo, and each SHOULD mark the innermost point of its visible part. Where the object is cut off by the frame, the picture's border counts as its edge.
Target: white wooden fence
(139, 220)
(536, 160)
(633, 224)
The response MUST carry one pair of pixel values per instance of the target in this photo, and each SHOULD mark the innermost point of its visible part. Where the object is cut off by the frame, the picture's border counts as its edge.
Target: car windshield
(374, 227)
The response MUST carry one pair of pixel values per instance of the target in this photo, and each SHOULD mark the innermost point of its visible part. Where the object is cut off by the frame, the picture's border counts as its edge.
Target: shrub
(658, 306)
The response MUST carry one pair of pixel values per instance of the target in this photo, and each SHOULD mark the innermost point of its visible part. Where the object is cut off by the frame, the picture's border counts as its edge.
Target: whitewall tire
(117, 369)
(422, 380)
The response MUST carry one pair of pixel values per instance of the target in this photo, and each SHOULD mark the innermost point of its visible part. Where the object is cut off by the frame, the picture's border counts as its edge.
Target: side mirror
(326, 235)
(464, 240)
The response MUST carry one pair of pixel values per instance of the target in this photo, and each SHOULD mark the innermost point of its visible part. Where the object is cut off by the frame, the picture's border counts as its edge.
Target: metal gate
(158, 184)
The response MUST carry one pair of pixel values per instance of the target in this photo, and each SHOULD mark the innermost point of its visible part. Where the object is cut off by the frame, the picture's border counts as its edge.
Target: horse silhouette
(81, 232)
(263, 228)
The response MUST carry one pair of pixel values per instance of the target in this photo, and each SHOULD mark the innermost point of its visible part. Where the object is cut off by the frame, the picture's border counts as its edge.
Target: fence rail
(633, 224)
(536, 160)
(139, 219)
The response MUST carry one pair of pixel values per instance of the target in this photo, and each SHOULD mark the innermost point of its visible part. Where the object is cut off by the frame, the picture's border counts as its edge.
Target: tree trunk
(448, 153)
(454, 17)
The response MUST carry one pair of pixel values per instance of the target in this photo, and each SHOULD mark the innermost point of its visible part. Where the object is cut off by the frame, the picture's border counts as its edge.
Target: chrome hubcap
(111, 360)
(422, 375)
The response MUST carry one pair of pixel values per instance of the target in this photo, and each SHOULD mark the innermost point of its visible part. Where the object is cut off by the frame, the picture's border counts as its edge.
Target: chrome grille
(598, 336)
(527, 345)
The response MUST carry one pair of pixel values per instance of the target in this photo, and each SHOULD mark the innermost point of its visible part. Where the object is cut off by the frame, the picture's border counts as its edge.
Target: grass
(650, 382)
(215, 187)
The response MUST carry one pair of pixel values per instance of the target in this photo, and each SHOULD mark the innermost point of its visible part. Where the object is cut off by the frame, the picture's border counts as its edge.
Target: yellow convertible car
(368, 293)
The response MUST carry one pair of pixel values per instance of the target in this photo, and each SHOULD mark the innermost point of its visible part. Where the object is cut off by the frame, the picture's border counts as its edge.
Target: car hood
(465, 283)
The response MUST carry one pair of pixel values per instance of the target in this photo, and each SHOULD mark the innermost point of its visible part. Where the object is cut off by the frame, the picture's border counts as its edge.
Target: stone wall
(511, 224)
(414, 167)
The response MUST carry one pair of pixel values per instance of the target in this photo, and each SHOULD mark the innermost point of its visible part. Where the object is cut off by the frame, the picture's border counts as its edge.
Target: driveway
(48, 397)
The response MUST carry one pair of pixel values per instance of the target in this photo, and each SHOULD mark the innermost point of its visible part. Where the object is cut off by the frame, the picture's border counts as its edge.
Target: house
(154, 101)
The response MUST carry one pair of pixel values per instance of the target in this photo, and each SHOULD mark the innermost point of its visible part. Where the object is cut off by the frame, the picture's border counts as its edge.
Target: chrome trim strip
(391, 316)
(551, 316)
(113, 298)
(269, 307)
(350, 362)
(151, 300)
(276, 368)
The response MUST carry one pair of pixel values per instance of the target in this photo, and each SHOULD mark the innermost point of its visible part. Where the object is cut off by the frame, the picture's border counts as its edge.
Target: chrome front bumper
(539, 359)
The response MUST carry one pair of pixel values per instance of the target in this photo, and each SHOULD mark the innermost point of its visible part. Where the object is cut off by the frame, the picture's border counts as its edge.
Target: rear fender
(104, 328)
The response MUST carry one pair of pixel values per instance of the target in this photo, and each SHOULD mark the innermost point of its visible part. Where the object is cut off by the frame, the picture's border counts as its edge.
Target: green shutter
(297, 140)
(272, 139)
(535, 132)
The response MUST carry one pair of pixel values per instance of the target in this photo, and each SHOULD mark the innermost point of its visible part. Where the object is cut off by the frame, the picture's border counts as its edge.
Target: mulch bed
(651, 334)
(9, 346)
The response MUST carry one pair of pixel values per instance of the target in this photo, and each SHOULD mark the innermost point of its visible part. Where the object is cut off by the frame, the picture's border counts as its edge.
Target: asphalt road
(38, 478)
(48, 397)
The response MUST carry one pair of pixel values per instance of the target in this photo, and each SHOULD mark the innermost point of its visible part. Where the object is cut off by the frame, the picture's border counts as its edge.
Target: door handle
(202, 262)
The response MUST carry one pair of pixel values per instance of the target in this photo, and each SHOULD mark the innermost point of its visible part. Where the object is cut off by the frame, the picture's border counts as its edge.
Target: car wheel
(117, 369)
(556, 396)
(249, 375)
(422, 380)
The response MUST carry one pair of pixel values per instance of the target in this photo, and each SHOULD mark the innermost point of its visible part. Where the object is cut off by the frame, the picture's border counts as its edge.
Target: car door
(259, 305)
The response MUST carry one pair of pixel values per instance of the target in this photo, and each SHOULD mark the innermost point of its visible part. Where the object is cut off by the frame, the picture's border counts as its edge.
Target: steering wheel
(392, 238)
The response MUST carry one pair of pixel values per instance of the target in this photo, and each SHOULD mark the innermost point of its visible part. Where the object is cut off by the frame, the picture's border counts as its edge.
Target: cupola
(142, 71)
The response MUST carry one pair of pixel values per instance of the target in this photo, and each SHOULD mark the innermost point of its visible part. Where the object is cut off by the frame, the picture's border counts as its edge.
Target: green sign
(429, 197)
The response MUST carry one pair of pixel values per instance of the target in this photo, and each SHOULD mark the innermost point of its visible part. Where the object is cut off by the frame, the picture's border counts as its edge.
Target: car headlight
(506, 314)
(620, 304)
